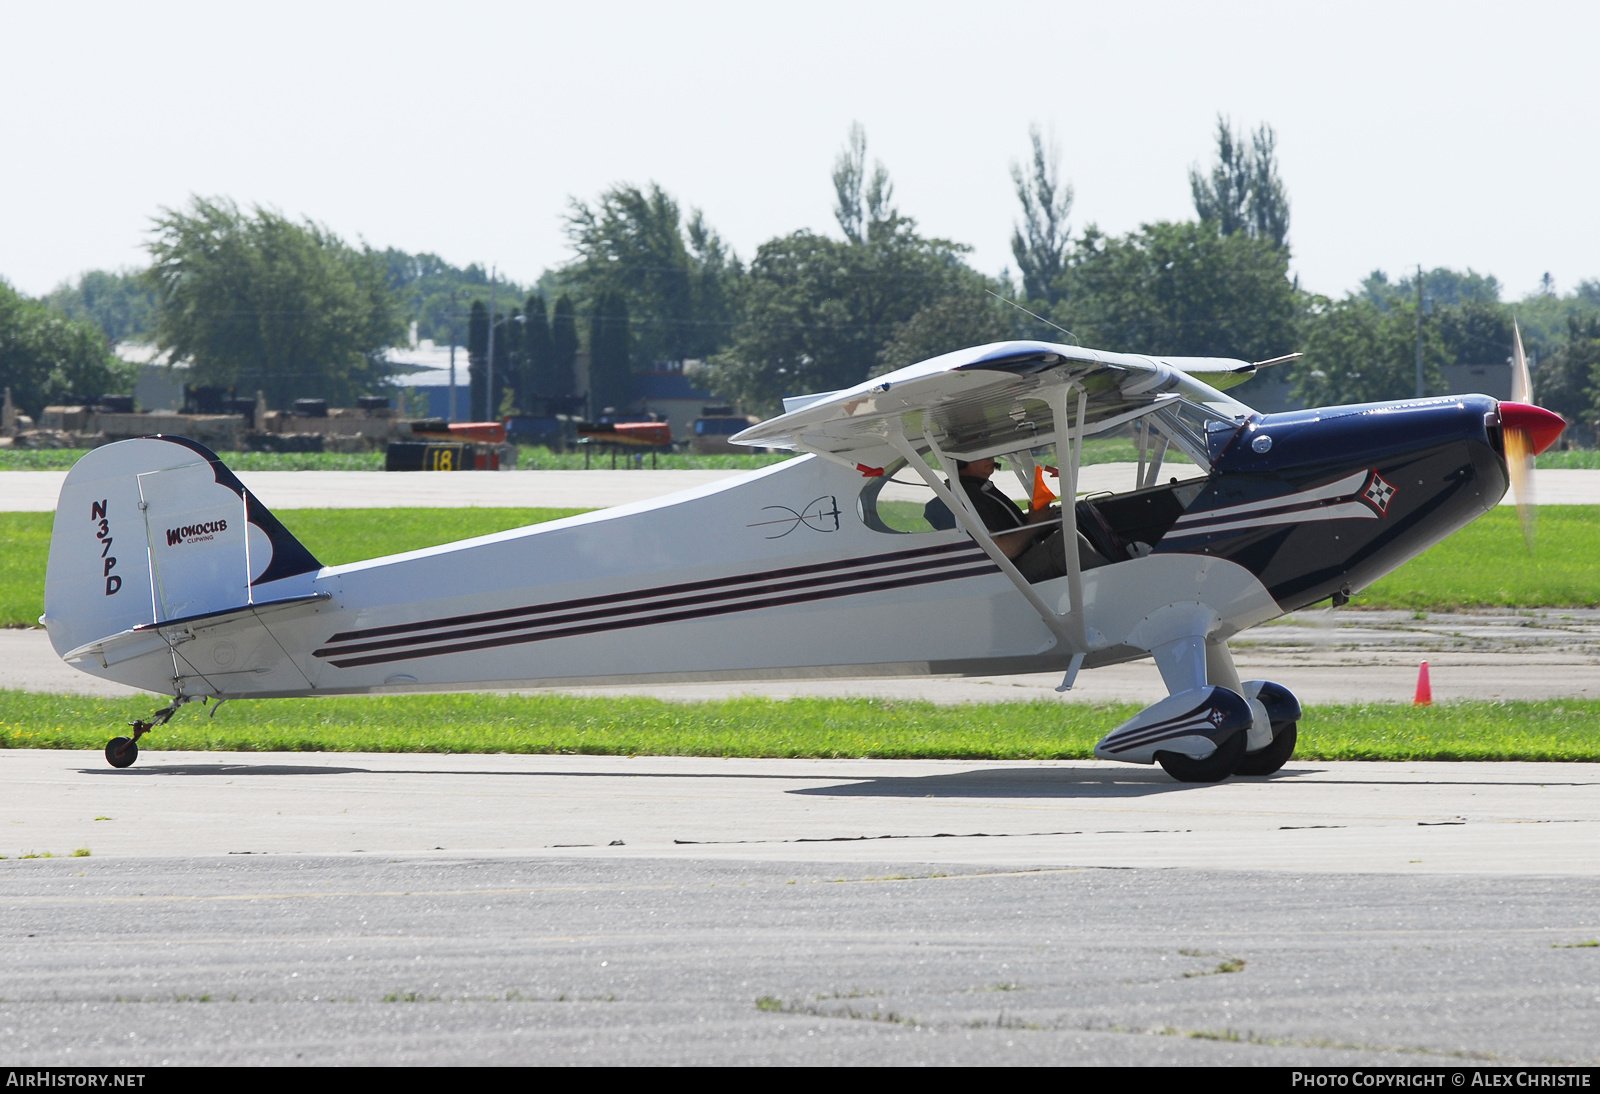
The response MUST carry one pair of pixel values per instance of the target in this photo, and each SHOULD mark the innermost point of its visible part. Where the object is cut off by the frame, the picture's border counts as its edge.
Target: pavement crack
(861, 839)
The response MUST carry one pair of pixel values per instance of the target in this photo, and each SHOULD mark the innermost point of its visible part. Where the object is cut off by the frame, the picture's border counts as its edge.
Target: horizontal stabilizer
(149, 637)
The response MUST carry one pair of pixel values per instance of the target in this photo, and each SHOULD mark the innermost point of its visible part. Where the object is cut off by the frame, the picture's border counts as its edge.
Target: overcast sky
(1455, 134)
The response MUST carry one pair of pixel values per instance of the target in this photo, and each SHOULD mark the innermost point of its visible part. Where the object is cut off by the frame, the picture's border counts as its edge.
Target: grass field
(626, 725)
(1486, 564)
(1483, 565)
(1576, 459)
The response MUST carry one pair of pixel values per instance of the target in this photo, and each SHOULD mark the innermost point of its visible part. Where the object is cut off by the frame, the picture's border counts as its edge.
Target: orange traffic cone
(1042, 496)
(1424, 688)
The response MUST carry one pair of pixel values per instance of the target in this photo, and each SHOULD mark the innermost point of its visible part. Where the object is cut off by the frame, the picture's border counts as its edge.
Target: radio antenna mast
(1040, 318)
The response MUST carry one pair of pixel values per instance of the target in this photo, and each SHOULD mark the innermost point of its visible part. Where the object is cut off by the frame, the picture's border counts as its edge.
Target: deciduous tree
(634, 244)
(954, 322)
(1181, 288)
(257, 301)
(1356, 352)
(45, 357)
(121, 304)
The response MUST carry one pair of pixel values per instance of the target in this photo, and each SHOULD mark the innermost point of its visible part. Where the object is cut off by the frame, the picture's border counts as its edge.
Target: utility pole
(1420, 392)
(488, 393)
(455, 316)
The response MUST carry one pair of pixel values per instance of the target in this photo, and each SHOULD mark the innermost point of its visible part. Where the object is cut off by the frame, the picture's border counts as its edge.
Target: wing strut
(961, 508)
(1068, 460)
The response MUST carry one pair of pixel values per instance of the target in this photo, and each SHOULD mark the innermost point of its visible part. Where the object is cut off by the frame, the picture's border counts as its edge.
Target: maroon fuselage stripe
(339, 650)
(966, 547)
(702, 612)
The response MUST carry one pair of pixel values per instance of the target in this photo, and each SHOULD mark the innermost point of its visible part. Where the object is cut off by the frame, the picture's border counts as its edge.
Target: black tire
(1214, 768)
(1267, 760)
(121, 752)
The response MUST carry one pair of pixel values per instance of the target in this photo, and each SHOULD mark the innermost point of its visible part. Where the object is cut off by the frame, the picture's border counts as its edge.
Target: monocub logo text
(191, 532)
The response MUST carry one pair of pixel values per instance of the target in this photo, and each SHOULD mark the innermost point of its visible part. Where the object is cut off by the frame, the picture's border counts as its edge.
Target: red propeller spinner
(1540, 426)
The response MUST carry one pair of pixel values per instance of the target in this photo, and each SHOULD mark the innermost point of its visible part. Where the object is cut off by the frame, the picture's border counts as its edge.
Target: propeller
(1528, 430)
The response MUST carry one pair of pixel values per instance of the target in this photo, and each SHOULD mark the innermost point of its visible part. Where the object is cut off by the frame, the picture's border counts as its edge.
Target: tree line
(256, 300)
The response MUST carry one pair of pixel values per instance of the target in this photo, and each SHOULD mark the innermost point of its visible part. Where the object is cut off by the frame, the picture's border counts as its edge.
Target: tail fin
(155, 529)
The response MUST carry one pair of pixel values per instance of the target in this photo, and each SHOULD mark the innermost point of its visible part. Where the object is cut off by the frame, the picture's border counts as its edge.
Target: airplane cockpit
(1180, 434)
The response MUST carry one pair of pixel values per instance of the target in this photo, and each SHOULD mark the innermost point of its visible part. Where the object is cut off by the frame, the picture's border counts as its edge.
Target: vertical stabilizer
(157, 529)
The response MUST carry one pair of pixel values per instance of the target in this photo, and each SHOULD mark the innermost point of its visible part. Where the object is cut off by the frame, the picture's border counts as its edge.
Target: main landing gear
(1265, 761)
(1205, 734)
(1225, 761)
(122, 751)
(1231, 758)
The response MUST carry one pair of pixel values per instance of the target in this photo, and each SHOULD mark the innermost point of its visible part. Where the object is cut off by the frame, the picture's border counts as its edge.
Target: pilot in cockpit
(1032, 541)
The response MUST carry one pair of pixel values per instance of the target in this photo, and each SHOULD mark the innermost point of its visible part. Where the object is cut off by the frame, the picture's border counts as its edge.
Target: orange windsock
(1424, 688)
(1042, 496)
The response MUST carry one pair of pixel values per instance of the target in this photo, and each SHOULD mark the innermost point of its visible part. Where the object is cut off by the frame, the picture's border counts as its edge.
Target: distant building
(673, 395)
(1493, 380)
(424, 379)
(161, 380)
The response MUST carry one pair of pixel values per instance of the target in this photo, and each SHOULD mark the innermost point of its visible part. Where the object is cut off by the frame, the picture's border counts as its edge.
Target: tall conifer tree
(536, 337)
(563, 346)
(610, 377)
(478, 359)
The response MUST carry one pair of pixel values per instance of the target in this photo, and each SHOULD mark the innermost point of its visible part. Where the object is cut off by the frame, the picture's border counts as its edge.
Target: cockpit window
(900, 501)
(897, 501)
(1199, 422)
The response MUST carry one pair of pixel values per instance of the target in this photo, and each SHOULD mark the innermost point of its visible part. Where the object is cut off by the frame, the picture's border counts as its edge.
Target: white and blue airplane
(857, 559)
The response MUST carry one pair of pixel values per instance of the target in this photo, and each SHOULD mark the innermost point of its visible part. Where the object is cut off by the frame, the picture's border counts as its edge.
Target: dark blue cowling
(1320, 503)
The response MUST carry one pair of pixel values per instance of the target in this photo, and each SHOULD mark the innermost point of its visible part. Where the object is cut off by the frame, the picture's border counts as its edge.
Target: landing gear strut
(122, 751)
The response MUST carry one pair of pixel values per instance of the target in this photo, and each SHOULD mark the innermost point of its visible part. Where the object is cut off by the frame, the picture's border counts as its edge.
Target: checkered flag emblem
(1378, 493)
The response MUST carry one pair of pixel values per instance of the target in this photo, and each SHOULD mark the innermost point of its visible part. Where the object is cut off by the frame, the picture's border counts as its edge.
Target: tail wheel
(1214, 768)
(1265, 761)
(121, 752)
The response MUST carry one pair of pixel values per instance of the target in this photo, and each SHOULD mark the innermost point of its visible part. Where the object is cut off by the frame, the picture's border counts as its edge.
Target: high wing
(1013, 398)
(998, 398)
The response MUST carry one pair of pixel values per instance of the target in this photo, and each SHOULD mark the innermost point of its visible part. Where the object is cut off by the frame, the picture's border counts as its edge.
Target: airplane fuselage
(776, 574)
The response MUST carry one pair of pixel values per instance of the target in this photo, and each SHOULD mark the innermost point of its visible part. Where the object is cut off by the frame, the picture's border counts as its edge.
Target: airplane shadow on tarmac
(1031, 782)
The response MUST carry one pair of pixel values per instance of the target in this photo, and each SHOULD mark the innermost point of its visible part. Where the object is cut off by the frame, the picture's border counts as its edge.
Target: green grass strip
(341, 536)
(1573, 459)
(1487, 564)
(24, 552)
(816, 728)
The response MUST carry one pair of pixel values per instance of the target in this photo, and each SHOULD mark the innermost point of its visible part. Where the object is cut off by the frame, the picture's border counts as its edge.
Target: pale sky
(1450, 134)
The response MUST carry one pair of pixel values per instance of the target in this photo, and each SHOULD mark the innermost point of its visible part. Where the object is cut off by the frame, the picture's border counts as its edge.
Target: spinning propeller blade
(1528, 431)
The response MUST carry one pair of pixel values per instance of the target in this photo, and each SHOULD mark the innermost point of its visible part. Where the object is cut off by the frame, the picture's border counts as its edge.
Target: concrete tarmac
(1409, 818)
(366, 909)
